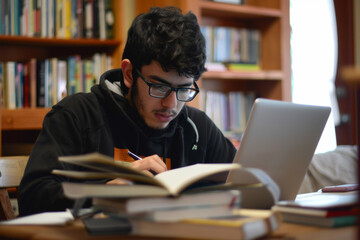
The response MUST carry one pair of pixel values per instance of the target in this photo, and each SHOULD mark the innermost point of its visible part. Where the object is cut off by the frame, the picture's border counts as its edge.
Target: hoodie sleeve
(39, 189)
(72, 127)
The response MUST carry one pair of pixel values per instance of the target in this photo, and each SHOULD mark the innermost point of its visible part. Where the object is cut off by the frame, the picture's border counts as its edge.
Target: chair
(11, 172)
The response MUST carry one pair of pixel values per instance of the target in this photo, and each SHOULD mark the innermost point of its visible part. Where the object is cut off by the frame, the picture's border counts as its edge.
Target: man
(138, 108)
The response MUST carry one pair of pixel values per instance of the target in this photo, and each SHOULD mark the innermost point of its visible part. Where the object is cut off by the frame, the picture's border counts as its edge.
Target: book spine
(345, 221)
(109, 19)
(1, 84)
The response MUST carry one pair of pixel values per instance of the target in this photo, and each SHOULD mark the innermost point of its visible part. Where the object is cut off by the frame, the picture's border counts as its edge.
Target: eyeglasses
(156, 90)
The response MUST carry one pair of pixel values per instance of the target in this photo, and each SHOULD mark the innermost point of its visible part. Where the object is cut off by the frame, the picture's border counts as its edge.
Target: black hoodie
(102, 121)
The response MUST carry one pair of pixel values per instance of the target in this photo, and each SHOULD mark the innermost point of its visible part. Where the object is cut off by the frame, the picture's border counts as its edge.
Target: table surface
(76, 230)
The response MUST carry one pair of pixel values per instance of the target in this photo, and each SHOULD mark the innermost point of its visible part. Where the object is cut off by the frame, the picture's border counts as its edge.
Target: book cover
(320, 200)
(59, 21)
(88, 19)
(55, 80)
(61, 90)
(19, 85)
(197, 205)
(329, 222)
(74, 25)
(334, 212)
(66, 18)
(148, 204)
(48, 83)
(95, 19)
(33, 82)
(1, 84)
(79, 19)
(88, 71)
(245, 224)
(101, 19)
(109, 19)
(321, 209)
(10, 101)
(40, 83)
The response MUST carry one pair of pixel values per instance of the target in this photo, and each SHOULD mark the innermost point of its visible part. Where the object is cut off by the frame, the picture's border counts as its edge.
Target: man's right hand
(150, 164)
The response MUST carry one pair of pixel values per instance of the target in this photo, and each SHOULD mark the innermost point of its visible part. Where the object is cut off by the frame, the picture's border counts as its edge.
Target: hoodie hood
(109, 93)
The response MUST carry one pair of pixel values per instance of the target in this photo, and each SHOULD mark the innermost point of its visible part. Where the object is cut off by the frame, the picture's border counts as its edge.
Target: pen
(134, 156)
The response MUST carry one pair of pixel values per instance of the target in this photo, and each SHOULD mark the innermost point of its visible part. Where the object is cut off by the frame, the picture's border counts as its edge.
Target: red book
(26, 86)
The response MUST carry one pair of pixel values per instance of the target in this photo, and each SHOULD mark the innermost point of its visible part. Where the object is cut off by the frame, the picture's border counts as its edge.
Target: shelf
(234, 11)
(34, 41)
(232, 75)
(23, 119)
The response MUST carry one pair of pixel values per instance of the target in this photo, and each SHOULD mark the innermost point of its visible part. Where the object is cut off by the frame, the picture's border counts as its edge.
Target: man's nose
(170, 101)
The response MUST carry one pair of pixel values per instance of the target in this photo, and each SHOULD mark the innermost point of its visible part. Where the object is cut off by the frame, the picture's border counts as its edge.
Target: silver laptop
(280, 139)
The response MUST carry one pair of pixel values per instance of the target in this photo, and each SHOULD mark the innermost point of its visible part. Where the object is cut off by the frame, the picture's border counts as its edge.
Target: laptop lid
(280, 139)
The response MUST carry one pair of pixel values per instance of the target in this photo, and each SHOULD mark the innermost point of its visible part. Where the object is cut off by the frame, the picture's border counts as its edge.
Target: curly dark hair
(167, 36)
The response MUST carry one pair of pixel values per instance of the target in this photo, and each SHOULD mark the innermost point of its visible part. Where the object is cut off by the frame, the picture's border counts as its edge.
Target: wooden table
(286, 231)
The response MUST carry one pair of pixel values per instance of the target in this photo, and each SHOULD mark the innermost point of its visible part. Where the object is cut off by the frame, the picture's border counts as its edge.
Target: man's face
(157, 112)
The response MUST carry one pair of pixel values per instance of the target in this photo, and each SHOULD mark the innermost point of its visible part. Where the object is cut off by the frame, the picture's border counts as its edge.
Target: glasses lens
(159, 90)
(183, 94)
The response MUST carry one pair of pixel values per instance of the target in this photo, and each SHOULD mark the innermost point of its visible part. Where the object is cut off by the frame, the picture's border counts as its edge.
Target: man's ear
(126, 68)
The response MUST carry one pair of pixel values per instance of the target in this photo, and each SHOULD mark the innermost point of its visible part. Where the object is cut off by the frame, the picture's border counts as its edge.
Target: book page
(100, 162)
(176, 180)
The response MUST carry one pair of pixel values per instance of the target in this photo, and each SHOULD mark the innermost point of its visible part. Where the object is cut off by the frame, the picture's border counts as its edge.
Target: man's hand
(150, 164)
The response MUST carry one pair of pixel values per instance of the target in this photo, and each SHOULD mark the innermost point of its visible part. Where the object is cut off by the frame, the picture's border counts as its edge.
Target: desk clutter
(332, 206)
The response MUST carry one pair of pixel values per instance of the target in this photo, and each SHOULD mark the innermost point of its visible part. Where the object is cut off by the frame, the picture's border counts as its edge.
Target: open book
(169, 183)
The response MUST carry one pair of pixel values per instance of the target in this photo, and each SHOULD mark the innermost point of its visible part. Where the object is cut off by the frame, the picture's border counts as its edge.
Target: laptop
(280, 139)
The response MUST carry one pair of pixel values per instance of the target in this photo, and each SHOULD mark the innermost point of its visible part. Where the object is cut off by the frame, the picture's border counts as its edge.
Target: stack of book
(197, 205)
(187, 202)
(330, 209)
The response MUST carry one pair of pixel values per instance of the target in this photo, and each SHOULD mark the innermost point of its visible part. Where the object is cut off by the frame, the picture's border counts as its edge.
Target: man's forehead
(170, 80)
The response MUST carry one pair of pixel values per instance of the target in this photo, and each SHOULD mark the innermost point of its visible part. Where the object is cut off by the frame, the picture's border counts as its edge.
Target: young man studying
(139, 108)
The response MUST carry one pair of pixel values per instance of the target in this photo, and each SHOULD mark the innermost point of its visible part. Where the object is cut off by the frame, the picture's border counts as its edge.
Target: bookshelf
(272, 19)
(20, 127)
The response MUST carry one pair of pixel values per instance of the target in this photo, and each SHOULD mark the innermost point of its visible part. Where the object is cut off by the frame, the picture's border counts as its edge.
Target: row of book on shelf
(57, 18)
(229, 111)
(236, 48)
(42, 83)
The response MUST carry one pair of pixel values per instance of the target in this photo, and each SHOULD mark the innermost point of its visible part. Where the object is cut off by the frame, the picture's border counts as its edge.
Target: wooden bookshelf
(21, 126)
(272, 19)
(23, 119)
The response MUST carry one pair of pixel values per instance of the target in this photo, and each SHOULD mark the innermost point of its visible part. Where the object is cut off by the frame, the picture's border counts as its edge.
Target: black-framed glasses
(183, 94)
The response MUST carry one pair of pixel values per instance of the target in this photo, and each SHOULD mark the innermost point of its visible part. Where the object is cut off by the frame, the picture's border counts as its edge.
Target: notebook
(280, 139)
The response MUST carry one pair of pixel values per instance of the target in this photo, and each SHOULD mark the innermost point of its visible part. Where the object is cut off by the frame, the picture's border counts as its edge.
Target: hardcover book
(321, 209)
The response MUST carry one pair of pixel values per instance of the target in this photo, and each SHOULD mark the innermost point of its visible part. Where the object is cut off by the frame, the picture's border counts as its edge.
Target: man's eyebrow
(159, 79)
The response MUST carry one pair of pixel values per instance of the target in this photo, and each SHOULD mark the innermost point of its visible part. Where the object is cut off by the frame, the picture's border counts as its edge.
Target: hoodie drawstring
(195, 146)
